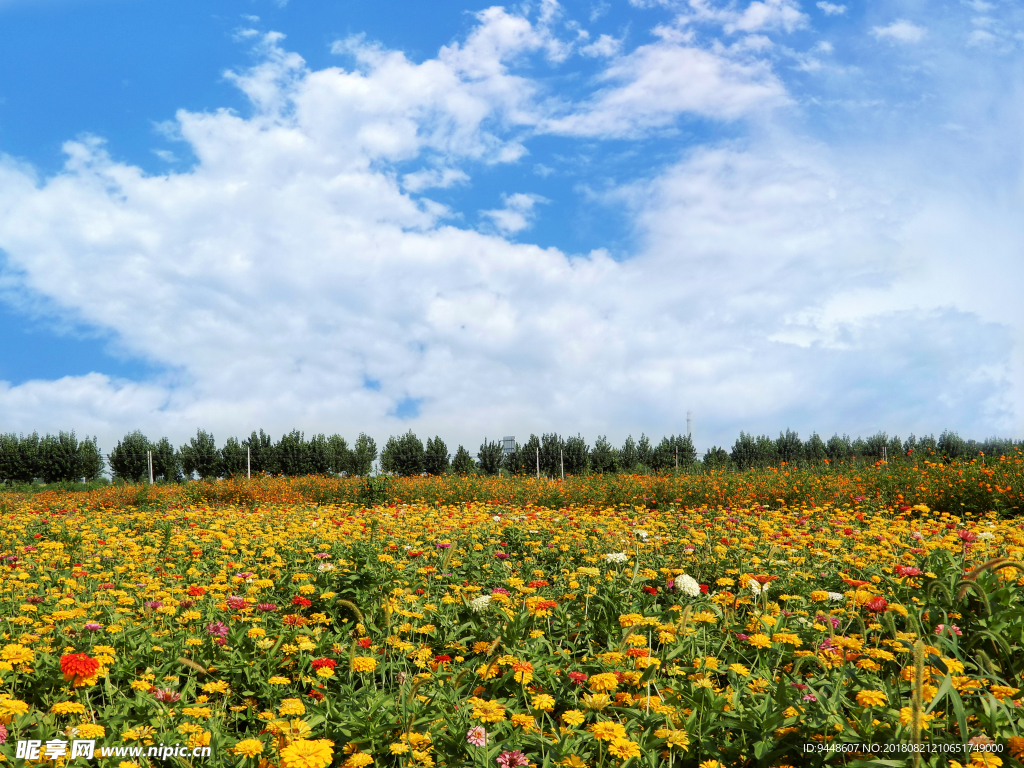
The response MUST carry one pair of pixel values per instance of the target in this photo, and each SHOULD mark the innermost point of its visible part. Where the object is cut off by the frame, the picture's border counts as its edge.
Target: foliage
(201, 456)
(403, 455)
(128, 458)
(435, 457)
(364, 453)
(463, 463)
(490, 456)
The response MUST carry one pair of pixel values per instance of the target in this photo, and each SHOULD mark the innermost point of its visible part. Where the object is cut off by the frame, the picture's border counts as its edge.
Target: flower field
(286, 632)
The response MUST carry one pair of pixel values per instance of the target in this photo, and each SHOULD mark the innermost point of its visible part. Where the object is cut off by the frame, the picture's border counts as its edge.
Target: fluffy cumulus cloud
(900, 31)
(775, 280)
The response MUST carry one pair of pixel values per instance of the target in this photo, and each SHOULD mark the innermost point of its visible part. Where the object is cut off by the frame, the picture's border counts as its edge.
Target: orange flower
(80, 668)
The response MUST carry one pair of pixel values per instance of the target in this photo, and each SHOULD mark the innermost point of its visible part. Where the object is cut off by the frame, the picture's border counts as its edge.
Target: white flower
(836, 596)
(986, 535)
(496, 518)
(642, 534)
(755, 587)
(479, 604)
(687, 585)
(325, 567)
(616, 557)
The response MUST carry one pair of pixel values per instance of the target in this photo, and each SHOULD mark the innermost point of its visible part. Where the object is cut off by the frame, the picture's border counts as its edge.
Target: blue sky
(470, 219)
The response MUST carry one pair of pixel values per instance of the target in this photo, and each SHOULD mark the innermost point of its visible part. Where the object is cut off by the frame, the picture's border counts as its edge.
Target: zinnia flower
(512, 759)
(248, 748)
(477, 736)
(79, 668)
(305, 753)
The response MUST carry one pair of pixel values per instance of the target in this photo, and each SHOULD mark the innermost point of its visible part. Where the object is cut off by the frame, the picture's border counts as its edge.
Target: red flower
(196, 591)
(578, 677)
(876, 604)
(78, 665)
(650, 590)
(907, 570)
(297, 600)
(324, 662)
(704, 588)
(365, 642)
(442, 657)
(847, 531)
(966, 535)
(539, 583)
(315, 695)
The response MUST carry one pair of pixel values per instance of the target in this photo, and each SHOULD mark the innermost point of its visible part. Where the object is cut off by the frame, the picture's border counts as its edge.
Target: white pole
(248, 463)
(149, 462)
(561, 462)
(538, 463)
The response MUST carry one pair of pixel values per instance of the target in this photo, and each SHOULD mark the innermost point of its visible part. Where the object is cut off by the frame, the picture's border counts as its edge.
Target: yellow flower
(759, 640)
(17, 654)
(67, 708)
(597, 702)
(358, 760)
(364, 664)
(278, 680)
(605, 681)
(308, 754)
(487, 711)
(291, 707)
(526, 722)
(573, 717)
(543, 702)
(739, 669)
(91, 731)
(624, 748)
(906, 717)
(871, 698)
(607, 730)
(248, 748)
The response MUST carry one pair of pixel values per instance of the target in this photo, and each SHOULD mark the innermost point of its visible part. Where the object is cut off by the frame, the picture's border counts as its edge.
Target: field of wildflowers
(280, 625)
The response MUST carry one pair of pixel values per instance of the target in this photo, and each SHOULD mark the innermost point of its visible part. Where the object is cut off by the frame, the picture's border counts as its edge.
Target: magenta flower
(235, 602)
(92, 626)
(477, 736)
(953, 628)
(267, 607)
(166, 695)
(3, 733)
(154, 604)
(218, 628)
(512, 759)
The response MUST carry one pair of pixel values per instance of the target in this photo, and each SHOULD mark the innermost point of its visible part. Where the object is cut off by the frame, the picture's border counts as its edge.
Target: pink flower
(3, 733)
(166, 695)
(953, 628)
(966, 536)
(235, 602)
(907, 570)
(512, 759)
(218, 628)
(267, 607)
(92, 626)
(477, 736)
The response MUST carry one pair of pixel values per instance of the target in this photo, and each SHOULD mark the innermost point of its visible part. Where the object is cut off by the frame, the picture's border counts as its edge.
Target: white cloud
(831, 9)
(656, 83)
(517, 214)
(605, 46)
(769, 14)
(433, 178)
(900, 31)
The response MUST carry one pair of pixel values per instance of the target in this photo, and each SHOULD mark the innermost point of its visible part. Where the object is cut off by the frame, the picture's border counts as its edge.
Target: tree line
(62, 457)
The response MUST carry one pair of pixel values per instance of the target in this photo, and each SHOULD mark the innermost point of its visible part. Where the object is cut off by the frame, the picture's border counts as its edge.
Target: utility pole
(538, 462)
(149, 463)
(561, 462)
(248, 463)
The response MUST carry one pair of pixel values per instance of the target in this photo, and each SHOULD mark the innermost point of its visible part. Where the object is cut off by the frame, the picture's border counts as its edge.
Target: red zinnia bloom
(907, 570)
(364, 642)
(442, 657)
(577, 677)
(196, 591)
(876, 604)
(301, 601)
(324, 662)
(650, 590)
(78, 665)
